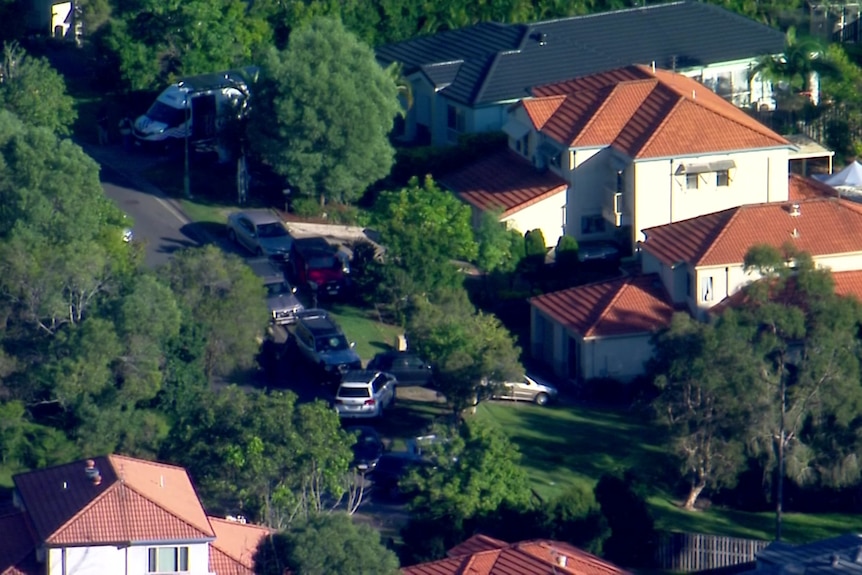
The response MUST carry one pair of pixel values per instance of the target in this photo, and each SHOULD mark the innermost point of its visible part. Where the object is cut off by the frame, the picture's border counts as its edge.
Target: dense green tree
(424, 229)
(32, 90)
(154, 42)
(706, 399)
(494, 242)
(633, 538)
(223, 295)
(323, 113)
(475, 470)
(264, 455)
(325, 544)
(472, 351)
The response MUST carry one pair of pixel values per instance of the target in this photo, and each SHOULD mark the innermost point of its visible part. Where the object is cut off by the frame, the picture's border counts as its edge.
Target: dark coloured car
(600, 254)
(388, 478)
(368, 447)
(320, 266)
(319, 339)
(408, 368)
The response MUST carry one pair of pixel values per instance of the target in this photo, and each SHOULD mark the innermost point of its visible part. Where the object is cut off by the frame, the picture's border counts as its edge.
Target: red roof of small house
(503, 181)
(645, 114)
(493, 557)
(131, 500)
(627, 305)
(233, 550)
(848, 284)
(820, 227)
(801, 188)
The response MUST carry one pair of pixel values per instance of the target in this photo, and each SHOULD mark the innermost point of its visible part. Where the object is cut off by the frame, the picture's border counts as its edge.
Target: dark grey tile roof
(502, 62)
(842, 554)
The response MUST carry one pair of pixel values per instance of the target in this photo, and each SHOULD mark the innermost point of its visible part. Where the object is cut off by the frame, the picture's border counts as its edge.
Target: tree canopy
(32, 90)
(324, 109)
(325, 544)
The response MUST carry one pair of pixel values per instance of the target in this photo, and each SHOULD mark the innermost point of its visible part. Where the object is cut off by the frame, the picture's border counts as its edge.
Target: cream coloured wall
(661, 195)
(547, 215)
(620, 358)
(110, 559)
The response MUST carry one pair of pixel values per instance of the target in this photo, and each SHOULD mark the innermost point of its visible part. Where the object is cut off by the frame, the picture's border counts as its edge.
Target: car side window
(377, 383)
(245, 224)
(414, 363)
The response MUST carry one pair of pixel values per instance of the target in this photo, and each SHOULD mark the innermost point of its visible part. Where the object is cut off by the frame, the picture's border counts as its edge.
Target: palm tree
(801, 65)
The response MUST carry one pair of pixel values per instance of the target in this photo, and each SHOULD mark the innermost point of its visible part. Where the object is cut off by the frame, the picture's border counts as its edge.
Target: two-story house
(464, 80)
(118, 515)
(636, 147)
(605, 329)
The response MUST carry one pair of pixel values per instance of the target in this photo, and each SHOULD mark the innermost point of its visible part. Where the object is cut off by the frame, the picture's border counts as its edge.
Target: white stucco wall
(621, 358)
(662, 197)
(546, 215)
(109, 559)
(744, 91)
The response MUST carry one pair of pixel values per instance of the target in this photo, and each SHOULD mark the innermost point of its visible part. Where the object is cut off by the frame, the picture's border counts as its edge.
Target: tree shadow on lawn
(205, 232)
(562, 442)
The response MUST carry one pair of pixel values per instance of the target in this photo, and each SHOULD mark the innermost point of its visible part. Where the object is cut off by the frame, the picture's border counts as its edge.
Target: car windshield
(322, 262)
(273, 230)
(354, 392)
(160, 112)
(333, 343)
(277, 288)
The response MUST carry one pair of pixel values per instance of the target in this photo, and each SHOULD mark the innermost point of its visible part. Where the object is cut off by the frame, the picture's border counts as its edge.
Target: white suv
(364, 393)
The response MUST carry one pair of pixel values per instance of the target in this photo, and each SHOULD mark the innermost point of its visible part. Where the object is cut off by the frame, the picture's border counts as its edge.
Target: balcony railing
(615, 210)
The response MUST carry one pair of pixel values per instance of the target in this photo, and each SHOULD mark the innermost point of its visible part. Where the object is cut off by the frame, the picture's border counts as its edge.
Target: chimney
(92, 473)
(795, 211)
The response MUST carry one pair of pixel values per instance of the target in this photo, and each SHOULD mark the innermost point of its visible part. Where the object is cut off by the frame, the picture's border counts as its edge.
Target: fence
(690, 552)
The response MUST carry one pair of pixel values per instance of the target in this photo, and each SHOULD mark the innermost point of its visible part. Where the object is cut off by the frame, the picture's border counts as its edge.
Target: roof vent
(795, 211)
(693, 95)
(92, 473)
(562, 560)
(540, 37)
(794, 233)
(236, 519)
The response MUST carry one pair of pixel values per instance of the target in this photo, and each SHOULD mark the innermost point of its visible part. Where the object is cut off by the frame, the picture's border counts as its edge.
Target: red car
(319, 265)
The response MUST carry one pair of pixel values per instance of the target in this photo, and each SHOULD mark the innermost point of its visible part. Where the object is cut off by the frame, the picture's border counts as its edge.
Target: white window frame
(707, 289)
(180, 553)
(692, 181)
(722, 178)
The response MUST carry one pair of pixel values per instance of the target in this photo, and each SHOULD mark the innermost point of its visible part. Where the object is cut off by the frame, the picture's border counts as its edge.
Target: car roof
(358, 376)
(258, 217)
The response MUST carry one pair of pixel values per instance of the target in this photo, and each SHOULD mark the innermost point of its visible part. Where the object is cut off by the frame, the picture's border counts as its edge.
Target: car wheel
(231, 234)
(541, 399)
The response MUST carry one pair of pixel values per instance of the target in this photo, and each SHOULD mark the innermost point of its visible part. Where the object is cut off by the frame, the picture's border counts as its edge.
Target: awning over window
(706, 167)
(516, 129)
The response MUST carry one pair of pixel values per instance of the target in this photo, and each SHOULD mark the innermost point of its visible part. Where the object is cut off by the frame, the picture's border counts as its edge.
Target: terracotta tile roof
(134, 500)
(627, 305)
(16, 544)
(540, 557)
(800, 188)
(646, 114)
(503, 181)
(848, 284)
(232, 551)
(825, 226)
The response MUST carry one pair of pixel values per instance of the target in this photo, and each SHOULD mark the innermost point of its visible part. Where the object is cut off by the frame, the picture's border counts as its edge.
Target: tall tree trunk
(697, 488)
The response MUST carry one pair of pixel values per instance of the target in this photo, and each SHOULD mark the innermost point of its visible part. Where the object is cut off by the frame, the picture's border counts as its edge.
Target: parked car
(388, 478)
(261, 232)
(320, 340)
(320, 266)
(280, 295)
(368, 447)
(408, 368)
(527, 389)
(364, 393)
(599, 253)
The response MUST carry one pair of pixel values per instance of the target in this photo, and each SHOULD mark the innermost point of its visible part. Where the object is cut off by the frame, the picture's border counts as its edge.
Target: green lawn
(371, 336)
(567, 445)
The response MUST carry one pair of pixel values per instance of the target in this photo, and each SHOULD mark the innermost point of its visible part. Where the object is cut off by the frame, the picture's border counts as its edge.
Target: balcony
(615, 210)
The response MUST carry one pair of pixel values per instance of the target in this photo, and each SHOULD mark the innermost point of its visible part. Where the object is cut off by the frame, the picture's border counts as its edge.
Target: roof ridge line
(760, 129)
(614, 89)
(169, 512)
(143, 461)
(724, 230)
(665, 117)
(486, 76)
(625, 281)
(83, 510)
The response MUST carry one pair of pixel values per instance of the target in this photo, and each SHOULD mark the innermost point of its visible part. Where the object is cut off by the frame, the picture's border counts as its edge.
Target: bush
(306, 208)
(566, 255)
(633, 536)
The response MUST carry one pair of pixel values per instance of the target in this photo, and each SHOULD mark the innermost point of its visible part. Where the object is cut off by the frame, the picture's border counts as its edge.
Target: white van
(199, 107)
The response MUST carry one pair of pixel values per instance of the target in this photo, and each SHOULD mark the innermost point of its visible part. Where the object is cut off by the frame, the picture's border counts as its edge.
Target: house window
(722, 178)
(454, 118)
(621, 182)
(691, 181)
(592, 225)
(168, 560)
(707, 293)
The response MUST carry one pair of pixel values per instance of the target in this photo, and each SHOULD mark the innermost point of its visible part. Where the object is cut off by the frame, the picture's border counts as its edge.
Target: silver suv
(322, 342)
(280, 295)
(364, 393)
